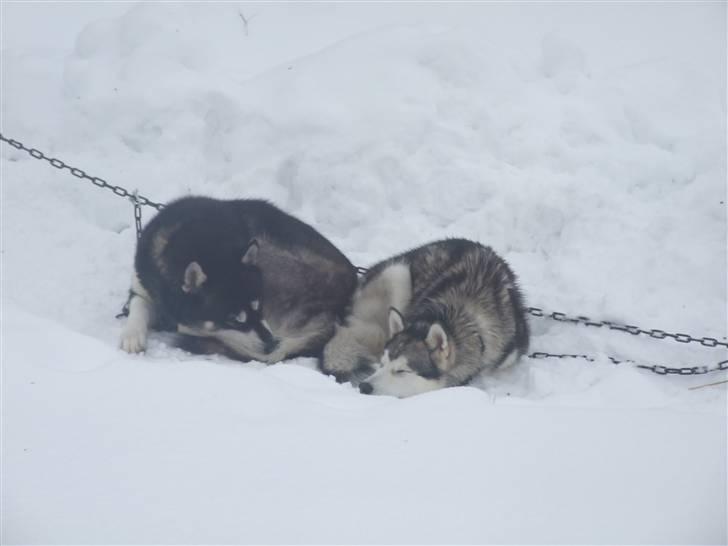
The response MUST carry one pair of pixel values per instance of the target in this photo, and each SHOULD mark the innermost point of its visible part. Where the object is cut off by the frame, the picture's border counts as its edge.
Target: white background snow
(586, 143)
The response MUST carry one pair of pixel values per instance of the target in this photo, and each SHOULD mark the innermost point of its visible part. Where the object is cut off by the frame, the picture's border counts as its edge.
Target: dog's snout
(366, 388)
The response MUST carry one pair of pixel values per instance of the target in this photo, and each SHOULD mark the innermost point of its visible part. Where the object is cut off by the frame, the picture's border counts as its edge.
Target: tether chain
(139, 200)
(634, 330)
(79, 173)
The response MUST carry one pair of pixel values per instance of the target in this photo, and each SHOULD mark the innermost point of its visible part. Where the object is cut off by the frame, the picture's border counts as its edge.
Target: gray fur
(462, 288)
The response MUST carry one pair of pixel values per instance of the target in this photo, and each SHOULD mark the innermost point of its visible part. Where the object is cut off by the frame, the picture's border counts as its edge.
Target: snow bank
(112, 447)
(586, 144)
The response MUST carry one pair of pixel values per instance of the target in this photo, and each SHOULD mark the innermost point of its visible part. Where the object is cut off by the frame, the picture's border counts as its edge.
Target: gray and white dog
(433, 317)
(239, 277)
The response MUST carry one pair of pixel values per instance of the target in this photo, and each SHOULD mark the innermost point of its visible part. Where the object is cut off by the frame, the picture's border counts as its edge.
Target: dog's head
(220, 293)
(414, 360)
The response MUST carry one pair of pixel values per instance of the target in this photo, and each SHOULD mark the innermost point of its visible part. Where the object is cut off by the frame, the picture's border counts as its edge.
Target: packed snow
(586, 143)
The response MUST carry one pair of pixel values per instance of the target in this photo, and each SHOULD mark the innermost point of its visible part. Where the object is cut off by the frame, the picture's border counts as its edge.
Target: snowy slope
(585, 143)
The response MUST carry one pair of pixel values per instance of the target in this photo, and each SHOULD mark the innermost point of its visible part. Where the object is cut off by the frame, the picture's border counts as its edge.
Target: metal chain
(634, 330)
(137, 214)
(654, 368)
(78, 173)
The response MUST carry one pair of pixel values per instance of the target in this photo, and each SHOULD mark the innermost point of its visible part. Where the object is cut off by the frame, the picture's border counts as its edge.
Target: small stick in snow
(707, 385)
(246, 21)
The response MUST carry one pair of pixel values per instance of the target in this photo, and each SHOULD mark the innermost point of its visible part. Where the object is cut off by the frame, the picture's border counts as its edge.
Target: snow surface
(586, 143)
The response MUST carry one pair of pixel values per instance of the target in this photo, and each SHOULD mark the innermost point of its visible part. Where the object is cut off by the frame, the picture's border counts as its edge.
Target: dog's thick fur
(433, 317)
(242, 276)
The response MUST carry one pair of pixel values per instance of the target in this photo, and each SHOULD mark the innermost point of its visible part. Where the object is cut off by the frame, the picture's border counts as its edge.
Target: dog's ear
(438, 344)
(194, 278)
(251, 253)
(396, 322)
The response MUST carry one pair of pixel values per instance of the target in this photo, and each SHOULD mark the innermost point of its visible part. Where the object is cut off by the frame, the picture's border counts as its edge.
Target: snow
(586, 143)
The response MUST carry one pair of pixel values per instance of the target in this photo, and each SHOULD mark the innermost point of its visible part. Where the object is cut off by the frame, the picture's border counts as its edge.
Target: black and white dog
(242, 277)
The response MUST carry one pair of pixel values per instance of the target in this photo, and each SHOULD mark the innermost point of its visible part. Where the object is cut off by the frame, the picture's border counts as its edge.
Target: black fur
(308, 273)
(215, 236)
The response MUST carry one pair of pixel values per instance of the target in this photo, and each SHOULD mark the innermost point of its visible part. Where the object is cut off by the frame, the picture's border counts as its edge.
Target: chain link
(630, 329)
(137, 214)
(79, 173)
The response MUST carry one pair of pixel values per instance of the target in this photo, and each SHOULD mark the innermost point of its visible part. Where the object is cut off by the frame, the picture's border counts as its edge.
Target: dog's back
(474, 294)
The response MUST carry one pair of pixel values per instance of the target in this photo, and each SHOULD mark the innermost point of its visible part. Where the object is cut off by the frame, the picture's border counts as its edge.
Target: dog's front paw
(133, 340)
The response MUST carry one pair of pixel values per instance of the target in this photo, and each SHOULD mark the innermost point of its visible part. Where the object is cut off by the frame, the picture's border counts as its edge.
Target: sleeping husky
(433, 317)
(242, 277)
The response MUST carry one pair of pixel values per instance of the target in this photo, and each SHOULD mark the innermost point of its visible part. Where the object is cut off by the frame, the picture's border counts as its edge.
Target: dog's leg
(308, 340)
(141, 315)
(208, 346)
(245, 345)
(287, 341)
(281, 342)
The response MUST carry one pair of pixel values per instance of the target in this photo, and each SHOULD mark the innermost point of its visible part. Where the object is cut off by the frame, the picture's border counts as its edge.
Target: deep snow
(585, 143)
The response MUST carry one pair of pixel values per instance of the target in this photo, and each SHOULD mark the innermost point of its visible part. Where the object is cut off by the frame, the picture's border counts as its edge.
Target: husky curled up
(242, 277)
(433, 317)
